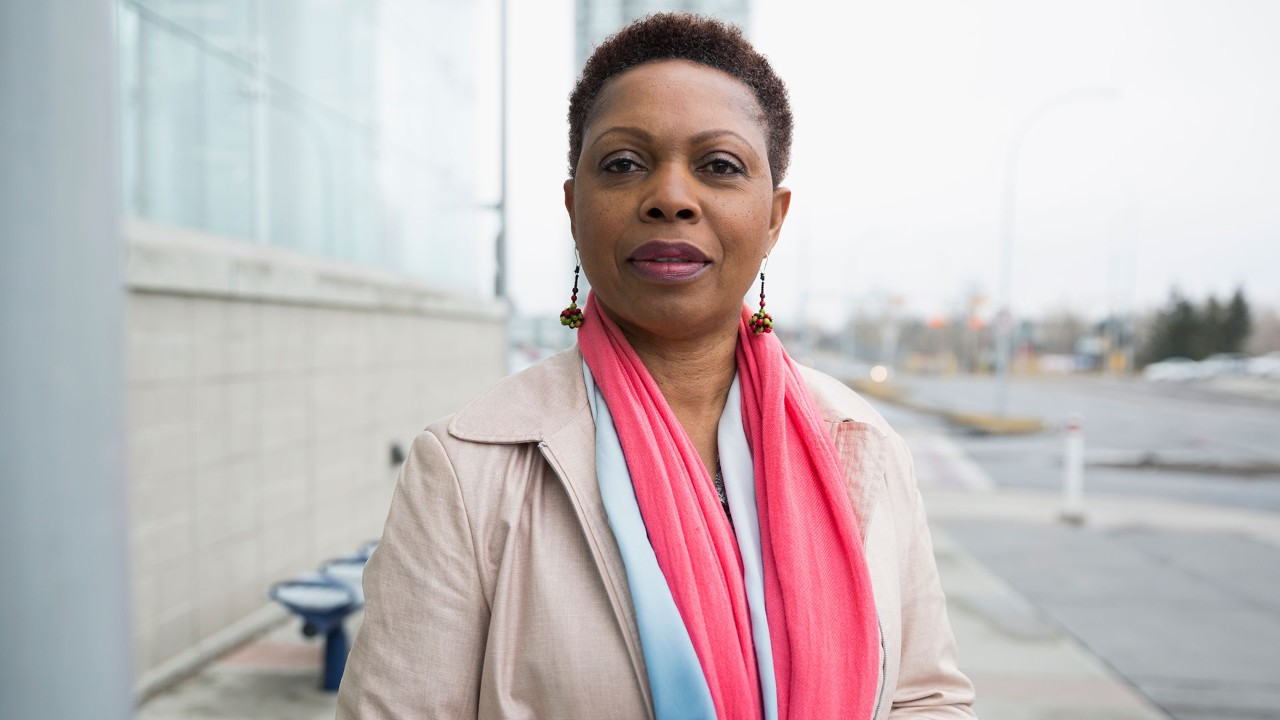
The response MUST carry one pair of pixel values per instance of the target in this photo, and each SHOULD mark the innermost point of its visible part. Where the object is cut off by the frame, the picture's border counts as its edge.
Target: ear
(568, 206)
(781, 204)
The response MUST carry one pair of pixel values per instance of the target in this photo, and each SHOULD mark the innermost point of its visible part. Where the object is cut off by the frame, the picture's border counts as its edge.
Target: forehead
(667, 93)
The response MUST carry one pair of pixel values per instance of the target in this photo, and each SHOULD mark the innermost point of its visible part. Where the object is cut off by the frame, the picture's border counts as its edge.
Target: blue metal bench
(323, 600)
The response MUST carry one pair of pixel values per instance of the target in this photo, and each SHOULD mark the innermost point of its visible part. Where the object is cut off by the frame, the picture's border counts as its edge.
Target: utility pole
(1008, 214)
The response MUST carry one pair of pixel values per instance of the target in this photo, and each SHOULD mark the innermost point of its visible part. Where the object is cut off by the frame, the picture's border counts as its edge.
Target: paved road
(1124, 421)
(1182, 595)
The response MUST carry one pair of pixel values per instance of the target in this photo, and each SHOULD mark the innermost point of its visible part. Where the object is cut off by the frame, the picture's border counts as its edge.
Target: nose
(672, 196)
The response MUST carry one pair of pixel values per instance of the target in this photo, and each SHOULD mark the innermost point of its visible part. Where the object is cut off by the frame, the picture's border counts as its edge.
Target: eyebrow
(642, 135)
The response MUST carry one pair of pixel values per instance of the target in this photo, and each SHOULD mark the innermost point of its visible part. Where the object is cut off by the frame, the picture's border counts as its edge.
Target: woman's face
(673, 205)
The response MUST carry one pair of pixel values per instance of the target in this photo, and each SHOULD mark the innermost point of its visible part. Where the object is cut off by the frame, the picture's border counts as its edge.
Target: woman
(672, 519)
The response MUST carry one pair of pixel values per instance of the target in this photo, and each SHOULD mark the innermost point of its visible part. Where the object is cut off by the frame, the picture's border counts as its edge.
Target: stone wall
(265, 391)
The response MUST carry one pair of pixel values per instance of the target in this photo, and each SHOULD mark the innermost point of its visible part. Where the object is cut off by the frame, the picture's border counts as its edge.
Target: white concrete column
(1073, 471)
(64, 566)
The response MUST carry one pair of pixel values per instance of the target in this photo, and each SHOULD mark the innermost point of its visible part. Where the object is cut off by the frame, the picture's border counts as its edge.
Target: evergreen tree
(1175, 332)
(1184, 330)
(1237, 324)
(1209, 335)
(1180, 329)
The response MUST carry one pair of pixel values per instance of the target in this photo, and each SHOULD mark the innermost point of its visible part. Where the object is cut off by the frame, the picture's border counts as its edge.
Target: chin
(686, 321)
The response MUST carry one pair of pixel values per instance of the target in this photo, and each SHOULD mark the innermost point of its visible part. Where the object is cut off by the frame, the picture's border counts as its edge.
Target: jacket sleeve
(930, 683)
(420, 649)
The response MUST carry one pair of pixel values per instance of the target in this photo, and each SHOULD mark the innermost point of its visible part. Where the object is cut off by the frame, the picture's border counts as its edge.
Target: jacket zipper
(884, 668)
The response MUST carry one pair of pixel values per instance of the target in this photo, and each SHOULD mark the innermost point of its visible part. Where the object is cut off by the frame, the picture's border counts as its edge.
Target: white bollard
(1073, 472)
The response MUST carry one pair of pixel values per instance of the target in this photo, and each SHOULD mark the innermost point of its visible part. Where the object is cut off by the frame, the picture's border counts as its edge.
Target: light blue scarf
(675, 676)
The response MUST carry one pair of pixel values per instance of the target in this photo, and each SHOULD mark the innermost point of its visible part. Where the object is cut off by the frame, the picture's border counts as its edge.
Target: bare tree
(1059, 332)
(1265, 337)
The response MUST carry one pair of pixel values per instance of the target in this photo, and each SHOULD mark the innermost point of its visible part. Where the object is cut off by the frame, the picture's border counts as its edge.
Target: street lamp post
(1004, 319)
(500, 289)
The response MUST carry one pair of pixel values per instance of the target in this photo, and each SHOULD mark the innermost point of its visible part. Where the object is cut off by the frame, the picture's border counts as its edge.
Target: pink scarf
(822, 617)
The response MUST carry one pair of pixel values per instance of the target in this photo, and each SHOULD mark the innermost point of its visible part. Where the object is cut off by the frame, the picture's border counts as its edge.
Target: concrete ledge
(993, 424)
(1184, 462)
(975, 422)
(178, 261)
(190, 660)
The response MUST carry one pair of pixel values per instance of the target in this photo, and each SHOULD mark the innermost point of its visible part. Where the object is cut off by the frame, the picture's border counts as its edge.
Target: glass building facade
(338, 128)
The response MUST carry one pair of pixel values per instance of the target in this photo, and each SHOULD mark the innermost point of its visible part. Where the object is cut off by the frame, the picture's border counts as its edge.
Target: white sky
(904, 113)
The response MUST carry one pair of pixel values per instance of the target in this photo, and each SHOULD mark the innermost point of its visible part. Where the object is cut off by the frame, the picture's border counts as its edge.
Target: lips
(668, 261)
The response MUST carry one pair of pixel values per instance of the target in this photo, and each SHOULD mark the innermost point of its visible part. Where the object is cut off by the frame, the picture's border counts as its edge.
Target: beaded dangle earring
(571, 317)
(761, 322)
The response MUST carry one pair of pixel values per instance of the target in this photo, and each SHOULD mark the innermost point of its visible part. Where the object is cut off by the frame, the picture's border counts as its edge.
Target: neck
(694, 375)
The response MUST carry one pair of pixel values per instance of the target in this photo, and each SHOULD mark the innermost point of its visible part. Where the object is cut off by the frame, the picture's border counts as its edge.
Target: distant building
(597, 19)
(304, 293)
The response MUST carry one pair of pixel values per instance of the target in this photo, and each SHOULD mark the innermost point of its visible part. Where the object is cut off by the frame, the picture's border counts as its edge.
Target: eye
(621, 164)
(724, 166)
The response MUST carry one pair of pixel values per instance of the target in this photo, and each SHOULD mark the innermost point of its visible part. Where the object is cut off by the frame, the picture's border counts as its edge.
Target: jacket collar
(529, 406)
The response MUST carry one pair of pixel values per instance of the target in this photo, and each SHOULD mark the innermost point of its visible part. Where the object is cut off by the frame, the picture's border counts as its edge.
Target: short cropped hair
(696, 38)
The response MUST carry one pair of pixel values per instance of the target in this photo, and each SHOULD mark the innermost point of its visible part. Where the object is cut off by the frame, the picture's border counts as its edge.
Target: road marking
(942, 463)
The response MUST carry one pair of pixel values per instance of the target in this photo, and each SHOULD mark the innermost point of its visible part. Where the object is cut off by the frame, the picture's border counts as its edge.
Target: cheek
(595, 229)
(750, 224)
(599, 224)
(593, 210)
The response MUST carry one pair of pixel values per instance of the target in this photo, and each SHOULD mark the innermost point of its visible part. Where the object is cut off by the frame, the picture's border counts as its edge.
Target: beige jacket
(498, 590)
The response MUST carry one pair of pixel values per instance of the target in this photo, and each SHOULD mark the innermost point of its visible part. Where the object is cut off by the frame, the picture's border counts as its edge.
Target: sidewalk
(1161, 601)
(274, 677)
(1023, 665)
(1022, 646)
(1175, 599)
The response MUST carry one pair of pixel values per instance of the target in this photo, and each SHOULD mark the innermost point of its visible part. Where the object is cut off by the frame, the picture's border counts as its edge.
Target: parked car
(1265, 366)
(1174, 369)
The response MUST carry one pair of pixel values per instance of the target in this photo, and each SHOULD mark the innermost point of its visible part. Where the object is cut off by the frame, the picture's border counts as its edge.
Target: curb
(980, 423)
(190, 661)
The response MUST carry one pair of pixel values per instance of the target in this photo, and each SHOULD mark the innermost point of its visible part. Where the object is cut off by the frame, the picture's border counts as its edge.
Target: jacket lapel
(573, 461)
(547, 405)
